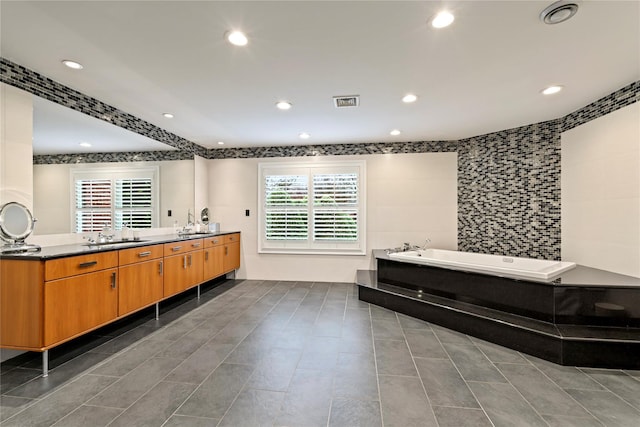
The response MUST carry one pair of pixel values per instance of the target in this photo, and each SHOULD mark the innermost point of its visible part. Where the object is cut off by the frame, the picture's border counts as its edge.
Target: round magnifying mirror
(16, 222)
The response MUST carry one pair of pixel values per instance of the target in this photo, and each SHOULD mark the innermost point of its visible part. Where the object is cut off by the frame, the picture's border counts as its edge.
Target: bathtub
(496, 265)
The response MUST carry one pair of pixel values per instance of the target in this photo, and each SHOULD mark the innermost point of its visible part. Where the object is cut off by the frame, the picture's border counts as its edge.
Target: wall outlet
(169, 212)
(246, 212)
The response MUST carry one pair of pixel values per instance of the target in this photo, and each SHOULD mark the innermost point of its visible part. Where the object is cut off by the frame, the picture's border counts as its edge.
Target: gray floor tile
(423, 343)
(354, 413)
(408, 322)
(125, 340)
(448, 336)
(155, 407)
(384, 329)
(61, 402)
(542, 393)
(382, 313)
(201, 363)
(16, 377)
(356, 345)
(404, 403)
(320, 353)
(253, 408)
(308, 400)
(565, 376)
(356, 385)
(499, 354)
(504, 405)
(625, 386)
(186, 421)
(93, 416)
(216, 394)
(607, 407)
(356, 362)
(393, 358)
(444, 386)
(461, 417)
(123, 363)
(472, 363)
(9, 405)
(136, 383)
(187, 344)
(562, 421)
(275, 370)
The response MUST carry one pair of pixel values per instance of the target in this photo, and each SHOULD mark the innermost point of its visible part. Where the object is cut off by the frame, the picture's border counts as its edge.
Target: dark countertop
(61, 251)
(579, 276)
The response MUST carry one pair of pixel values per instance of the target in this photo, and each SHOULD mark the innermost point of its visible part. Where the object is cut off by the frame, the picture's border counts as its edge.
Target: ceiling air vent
(346, 101)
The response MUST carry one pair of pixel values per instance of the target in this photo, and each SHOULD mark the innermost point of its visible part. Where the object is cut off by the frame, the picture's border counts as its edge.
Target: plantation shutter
(133, 203)
(335, 207)
(286, 207)
(93, 204)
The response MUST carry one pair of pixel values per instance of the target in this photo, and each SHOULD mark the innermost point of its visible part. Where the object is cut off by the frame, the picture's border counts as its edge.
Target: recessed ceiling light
(73, 64)
(85, 144)
(237, 38)
(220, 142)
(442, 19)
(408, 98)
(558, 12)
(395, 132)
(304, 135)
(167, 115)
(283, 105)
(551, 90)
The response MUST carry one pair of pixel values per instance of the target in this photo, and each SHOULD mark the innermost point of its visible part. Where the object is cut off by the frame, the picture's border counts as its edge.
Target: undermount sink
(113, 242)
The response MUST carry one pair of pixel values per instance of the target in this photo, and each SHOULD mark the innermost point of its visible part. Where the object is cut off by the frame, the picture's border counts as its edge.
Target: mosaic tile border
(44, 87)
(137, 156)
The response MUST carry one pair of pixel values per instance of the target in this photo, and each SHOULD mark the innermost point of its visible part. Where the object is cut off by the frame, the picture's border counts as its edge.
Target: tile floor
(307, 354)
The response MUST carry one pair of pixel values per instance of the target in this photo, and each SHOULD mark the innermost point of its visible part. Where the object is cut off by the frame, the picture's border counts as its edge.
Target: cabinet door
(213, 262)
(139, 285)
(78, 304)
(175, 274)
(194, 268)
(231, 256)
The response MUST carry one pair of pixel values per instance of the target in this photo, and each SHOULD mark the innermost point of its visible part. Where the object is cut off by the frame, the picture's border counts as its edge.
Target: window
(312, 208)
(114, 198)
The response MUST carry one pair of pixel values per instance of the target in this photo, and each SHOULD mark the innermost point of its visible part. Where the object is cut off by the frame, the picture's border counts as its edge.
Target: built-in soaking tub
(501, 266)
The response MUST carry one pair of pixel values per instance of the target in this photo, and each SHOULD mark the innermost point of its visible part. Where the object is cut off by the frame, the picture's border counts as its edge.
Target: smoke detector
(558, 12)
(346, 101)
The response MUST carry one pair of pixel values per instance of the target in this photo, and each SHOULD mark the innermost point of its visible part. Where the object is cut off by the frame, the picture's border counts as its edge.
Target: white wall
(409, 197)
(201, 190)
(52, 192)
(600, 181)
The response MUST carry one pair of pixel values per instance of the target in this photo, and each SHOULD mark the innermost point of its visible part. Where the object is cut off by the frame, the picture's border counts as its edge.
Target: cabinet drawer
(183, 246)
(81, 264)
(231, 238)
(213, 241)
(145, 253)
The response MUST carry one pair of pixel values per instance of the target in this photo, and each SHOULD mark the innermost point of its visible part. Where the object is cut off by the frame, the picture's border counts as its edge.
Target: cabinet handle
(160, 267)
(87, 264)
(113, 280)
(184, 261)
(206, 256)
(226, 250)
(176, 248)
(215, 242)
(195, 245)
(189, 260)
(144, 254)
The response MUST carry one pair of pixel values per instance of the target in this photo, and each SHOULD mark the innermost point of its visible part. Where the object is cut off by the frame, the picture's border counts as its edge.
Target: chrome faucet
(426, 242)
(190, 218)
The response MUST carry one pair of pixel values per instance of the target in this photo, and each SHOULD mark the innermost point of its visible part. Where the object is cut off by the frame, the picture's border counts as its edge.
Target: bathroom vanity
(62, 292)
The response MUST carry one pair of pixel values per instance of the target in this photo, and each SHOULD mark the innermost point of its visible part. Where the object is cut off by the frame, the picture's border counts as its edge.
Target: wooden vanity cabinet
(141, 274)
(76, 300)
(183, 266)
(213, 257)
(231, 254)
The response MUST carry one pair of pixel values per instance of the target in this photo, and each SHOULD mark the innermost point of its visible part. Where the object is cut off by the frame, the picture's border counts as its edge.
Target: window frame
(310, 245)
(113, 175)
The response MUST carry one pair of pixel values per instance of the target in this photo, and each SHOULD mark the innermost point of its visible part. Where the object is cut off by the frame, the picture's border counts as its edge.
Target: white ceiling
(482, 74)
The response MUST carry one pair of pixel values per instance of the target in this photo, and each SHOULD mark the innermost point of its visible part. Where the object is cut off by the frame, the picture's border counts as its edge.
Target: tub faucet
(426, 242)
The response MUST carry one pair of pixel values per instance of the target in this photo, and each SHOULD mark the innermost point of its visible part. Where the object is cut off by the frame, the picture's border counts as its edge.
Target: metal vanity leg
(198, 291)
(45, 363)
(157, 310)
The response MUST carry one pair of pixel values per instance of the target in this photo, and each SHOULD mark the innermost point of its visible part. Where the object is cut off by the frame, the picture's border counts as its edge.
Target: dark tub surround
(586, 317)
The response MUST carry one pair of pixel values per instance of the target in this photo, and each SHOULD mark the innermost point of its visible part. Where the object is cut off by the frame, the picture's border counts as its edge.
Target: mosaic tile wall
(508, 181)
(140, 156)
